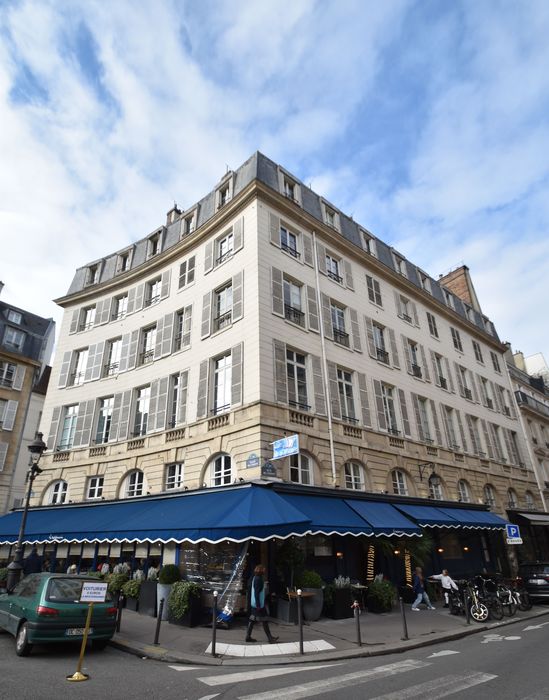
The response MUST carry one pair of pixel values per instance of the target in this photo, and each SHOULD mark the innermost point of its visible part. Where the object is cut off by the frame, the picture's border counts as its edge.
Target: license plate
(77, 632)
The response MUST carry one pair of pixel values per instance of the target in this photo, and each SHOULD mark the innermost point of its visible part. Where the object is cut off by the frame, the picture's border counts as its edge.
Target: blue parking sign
(513, 534)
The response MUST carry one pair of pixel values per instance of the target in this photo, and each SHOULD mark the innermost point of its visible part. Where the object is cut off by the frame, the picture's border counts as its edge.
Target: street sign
(512, 533)
(252, 461)
(268, 469)
(94, 592)
(286, 446)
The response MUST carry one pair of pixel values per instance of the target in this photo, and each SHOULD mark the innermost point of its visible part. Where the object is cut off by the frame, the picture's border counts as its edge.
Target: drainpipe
(324, 364)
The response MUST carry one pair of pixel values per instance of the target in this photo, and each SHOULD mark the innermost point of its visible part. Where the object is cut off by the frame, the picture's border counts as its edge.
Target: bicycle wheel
(496, 609)
(525, 602)
(479, 612)
(510, 608)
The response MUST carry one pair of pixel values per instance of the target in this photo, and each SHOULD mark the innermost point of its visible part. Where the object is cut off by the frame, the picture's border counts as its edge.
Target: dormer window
(14, 316)
(400, 265)
(93, 274)
(289, 189)
(153, 245)
(424, 281)
(368, 243)
(188, 224)
(123, 263)
(330, 218)
(448, 298)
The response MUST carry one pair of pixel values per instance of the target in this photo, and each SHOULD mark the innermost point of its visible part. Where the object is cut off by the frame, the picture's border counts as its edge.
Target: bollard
(356, 611)
(466, 601)
(214, 622)
(119, 612)
(404, 624)
(300, 620)
(159, 621)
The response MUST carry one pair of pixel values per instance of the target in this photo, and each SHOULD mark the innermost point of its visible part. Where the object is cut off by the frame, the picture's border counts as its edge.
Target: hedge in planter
(185, 603)
(380, 596)
(131, 591)
(116, 581)
(342, 598)
(310, 582)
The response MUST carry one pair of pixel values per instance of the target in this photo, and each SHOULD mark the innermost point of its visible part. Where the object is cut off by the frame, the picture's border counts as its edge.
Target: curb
(160, 653)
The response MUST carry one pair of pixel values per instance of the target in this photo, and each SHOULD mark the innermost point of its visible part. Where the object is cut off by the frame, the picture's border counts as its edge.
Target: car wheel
(99, 644)
(22, 645)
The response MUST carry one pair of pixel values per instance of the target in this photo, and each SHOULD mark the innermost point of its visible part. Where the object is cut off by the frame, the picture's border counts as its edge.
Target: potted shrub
(131, 592)
(185, 603)
(169, 574)
(380, 596)
(342, 598)
(310, 582)
(116, 581)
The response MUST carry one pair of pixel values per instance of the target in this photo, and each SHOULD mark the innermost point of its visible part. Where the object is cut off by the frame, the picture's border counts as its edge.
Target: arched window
(301, 470)
(354, 476)
(221, 471)
(134, 484)
(512, 500)
(400, 485)
(489, 495)
(57, 492)
(529, 500)
(435, 487)
(464, 491)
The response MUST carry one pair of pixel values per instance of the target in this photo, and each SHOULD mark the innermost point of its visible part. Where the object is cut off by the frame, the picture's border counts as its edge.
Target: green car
(45, 608)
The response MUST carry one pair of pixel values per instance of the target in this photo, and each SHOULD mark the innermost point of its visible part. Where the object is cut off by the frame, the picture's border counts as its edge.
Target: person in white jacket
(447, 584)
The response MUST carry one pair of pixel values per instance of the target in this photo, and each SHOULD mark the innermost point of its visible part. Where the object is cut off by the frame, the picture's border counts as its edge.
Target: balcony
(223, 320)
(294, 315)
(301, 406)
(146, 357)
(216, 410)
(223, 257)
(6, 382)
(350, 419)
(507, 410)
(151, 301)
(76, 378)
(525, 400)
(334, 276)
(407, 318)
(85, 326)
(489, 403)
(393, 431)
(382, 355)
(340, 337)
(467, 393)
(111, 369)
(416, 371)
(288, 249)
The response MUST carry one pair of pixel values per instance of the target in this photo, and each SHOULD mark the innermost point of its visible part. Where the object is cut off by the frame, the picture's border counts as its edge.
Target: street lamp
(36, 450)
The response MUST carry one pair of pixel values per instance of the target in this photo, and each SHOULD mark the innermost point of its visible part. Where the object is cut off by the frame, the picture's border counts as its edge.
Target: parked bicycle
(467, 595)
(487, 593)
(520, 594)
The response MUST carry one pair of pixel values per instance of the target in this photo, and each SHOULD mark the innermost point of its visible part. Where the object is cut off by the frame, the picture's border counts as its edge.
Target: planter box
(374, 606)
(132, 604)
(312, 607)
(147, 598)
(286, 610)
(192, 617)
(341, 605)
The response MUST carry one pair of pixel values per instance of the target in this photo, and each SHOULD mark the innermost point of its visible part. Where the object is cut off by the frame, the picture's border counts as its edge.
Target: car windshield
(65, 590)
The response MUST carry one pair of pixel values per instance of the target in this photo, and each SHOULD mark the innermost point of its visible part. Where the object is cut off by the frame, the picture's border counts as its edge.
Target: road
(508, 665)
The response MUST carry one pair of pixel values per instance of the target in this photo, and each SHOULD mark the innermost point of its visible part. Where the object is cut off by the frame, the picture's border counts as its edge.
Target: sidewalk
(324, 640)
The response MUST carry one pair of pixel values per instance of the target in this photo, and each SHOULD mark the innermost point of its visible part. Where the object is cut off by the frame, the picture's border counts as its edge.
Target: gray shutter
(435, 370)
(348, 274)
(404, 412)
(472, 434)
(124, 352)
(202, 397)
(426, 374)
(167, 334)
(3, 453)
(394, 351)
(132, 353)
(115, 419)
(206, 315)
(508, 446)
(238, 234)
(449, 375)
(236, 374)
(165, 284)
(327, 317)
(497, 397)
(335, 406)
(461, 430)
(139, 297)
(414, 314)
(208, 257)
(364, 402)
(274, 229)
(495, 442)
(482, 391)
(159, 338)
(190, 269)
(407, 357)
(436, 422)
(277, 291)
(447, 429)
(312, 308)
(102, 311)
(183, 388)
(398, 305)
(461, 388)
(124, 423)
(19, 377)
(95, 360)
(153, 405)
(474, 387)
(281, 382)
(318, 385)
(370, 337)
(187, 322)
(487, 439)
(321, 257)
(54, 426)
(74, 321)
(238, 296)
(307, 249)
(65, 367)
(84, 422)
(381, 420)
(131, 300)
(162, 404)
(415, 404)
(355, 330)
(9, 415)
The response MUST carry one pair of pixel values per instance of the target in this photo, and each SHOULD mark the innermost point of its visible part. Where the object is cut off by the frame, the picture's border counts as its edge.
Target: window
(512, 500)
(88, 318)
(413, 354)
(300, 470)
(333, 268)
(148, 342)
(14, 316)
(456, 339)
(68, 427)
(338, 324)
(440, 371)
(57, 492)
(134, 484)
(424, 281)
(449, 421)
(141, 419)
(513, 445)
(223, 195)
(221, 471)
(495, 362)
(463, 381)
(224, 248)
(423, 414)
(400, 486)
(153, 292)
(174, 476)
(104, 420)
(93, 274)
(123, 263)
(478, 352)
(189, 224)
(529, 500)
(288, 242)
(400, 265)
(186, 272)
(431, 320)
(297, 379)
(182, 337)
(379, 343)
(406, 309)
(292, 302)
(368, 243)
(354, 476)
(222, 384)
(374, 290)
(14, 338)
(464, 492)
(79, 367)
(120, 307)
(7, 374)
(223, 307)
(330, 217)
(496, 433)
(488, 326)
(153, 247)
(473, 423)
(174, 400)
(114, 348)
(345, 387)
(489, 495)
(95, 487)
(290, 189)
(448, 298)
(387, 396)
(485, 391)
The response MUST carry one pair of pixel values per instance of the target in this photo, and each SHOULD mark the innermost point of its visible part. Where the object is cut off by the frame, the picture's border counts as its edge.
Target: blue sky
(427, 121)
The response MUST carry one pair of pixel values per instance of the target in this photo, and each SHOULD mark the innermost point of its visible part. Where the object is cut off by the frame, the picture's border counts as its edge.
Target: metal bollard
(119, 612)
(159, 621)
(300, 620)
(466, 601)
(356, 611)
(404, 624)
(214, 622)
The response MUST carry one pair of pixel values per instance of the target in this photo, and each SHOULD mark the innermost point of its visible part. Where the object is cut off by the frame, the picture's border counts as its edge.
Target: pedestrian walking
(447, 583)
(418, 583)
(33, 563)
(258, 609)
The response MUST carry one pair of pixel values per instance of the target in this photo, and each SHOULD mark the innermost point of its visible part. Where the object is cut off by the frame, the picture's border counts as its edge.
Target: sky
(426, 121)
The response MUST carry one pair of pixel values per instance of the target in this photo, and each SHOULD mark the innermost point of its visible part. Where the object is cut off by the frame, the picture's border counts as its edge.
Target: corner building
(264, 311)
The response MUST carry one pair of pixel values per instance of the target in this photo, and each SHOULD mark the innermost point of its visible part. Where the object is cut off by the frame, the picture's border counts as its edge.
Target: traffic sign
(512, 533)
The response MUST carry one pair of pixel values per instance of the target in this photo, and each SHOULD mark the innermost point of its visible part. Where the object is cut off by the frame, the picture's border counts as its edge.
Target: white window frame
(104, 420)
(141, 411)
(113, 358)
(14, 316)
(333, 268)
(95, 487)
(489, 495)
(354, 476)
(389, 409)
(175, 476)
(293, 301)
(14, 338)
(134, 484)
(223, 306)
(222, 383)
(58, 492)
(289, 242)
(301, 470)
(224, 248)
(399, 482)
(80, 362)
(374, 290)
(346, 395)
(148, 344)
(464, 491)
(296, 377)
(121, 307)
(7, 373)
(68, 428)
(187, 272)
(221, 471)
(154, 292)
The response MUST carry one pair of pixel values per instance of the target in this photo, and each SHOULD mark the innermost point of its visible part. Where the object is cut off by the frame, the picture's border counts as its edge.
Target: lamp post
(36, 450)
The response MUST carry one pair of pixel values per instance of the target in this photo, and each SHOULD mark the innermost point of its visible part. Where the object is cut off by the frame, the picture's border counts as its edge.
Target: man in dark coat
(33, 563)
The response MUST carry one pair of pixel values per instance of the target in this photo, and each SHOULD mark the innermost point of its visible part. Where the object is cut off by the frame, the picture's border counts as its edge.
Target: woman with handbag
(258, 609)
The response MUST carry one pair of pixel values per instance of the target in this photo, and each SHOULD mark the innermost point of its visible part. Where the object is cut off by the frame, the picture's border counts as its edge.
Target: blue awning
(329, 516)
(431, 516)
(384, 518)
(476, 519)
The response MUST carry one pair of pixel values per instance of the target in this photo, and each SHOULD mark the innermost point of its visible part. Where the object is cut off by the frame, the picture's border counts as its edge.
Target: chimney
(173, 214)
(459, 282)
